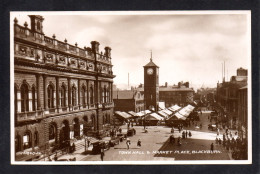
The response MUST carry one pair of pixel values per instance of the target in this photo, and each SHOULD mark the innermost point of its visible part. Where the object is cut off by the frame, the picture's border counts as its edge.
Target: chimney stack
(95, 46)
(36, 23)
(108, 52)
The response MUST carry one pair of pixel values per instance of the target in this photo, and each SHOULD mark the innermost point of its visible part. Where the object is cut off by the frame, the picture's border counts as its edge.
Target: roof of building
(151, 63)
(125, 94)
(170, 88)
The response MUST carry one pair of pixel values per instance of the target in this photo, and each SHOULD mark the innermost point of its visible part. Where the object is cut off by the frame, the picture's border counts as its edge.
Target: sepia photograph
(130, 87)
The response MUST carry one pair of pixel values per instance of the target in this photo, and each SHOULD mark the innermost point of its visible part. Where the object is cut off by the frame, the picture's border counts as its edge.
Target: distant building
(227, 96)
(242, 111)
(128, 100)
(180, 95)
(171, 95)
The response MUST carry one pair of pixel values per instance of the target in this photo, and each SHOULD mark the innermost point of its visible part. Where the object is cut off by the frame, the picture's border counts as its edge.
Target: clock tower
(151, 86)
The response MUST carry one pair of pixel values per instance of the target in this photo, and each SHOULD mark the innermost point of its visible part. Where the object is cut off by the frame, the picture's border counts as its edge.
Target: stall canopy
(161, 113)
(167, 111)
(123, 114)
(153, 116)
(174, 108)
(177, 116)
(133, 113)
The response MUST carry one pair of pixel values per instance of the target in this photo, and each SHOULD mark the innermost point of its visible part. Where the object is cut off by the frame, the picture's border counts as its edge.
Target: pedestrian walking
(139, 143)
(172, 130)
(179, 141)
(102, 154)
(200, 126)
(183, 135)
(190, 134)
(212, 147)
(128, 143)
(186, 134)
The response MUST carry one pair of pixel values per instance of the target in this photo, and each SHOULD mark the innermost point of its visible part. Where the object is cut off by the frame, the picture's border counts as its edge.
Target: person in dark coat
(102, 154)
(139, 143)
(190, 134)
(212, 147)
(183, 135)
(186, 134)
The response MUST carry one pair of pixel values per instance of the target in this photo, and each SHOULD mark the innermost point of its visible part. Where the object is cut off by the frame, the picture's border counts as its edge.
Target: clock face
(150, 71)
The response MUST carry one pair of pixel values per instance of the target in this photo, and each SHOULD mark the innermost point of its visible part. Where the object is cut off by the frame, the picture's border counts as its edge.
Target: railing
(52, 110)
(62, 46)
(23, 116)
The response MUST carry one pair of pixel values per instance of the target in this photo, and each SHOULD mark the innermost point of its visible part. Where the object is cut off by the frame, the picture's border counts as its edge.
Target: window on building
(63, 96)
(91, 92)
(83, 95)
(27, 140)
(15, 99)
(24, 98)
(33, 99)
(74, 96)
(52, 132)
(36, 139)
(105, 95)
(50, 91)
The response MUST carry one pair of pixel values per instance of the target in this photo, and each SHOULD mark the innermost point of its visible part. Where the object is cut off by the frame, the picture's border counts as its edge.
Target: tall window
(91, 95)
(63, 96)
(83, 95)
(15, 99)
(105, 95)
(24, 98)
(33, 99)
(74, 96)
(27, 140)
(50, 91)
(52, 132)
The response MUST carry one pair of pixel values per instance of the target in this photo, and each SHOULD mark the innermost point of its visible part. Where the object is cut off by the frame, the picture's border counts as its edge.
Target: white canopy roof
(123, 114)
(162, 113)
(155, 116)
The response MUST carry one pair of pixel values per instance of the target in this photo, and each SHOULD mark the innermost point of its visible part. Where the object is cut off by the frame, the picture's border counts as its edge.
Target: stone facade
(61, 92)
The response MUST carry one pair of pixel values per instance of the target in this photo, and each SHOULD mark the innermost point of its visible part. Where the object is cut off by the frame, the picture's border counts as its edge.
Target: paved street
(156, 146)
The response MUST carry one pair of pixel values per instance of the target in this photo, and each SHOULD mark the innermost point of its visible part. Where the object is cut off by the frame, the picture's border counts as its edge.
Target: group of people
(234, 144)
(184, 135)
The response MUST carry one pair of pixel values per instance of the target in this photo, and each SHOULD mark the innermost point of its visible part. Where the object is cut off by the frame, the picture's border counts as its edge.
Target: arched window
(24, 98)
(33, 99)
(83, 95)
(27, 140)
(52, 132)
(93, 120)
(74, 96)
(91, 95)
(36, 139)
(63, 96)
(50, 91)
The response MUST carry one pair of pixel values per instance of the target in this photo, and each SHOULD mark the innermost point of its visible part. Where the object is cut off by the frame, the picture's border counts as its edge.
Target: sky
(186, 47)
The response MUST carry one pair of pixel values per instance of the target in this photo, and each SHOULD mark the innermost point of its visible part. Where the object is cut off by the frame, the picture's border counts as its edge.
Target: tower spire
(151, 59)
